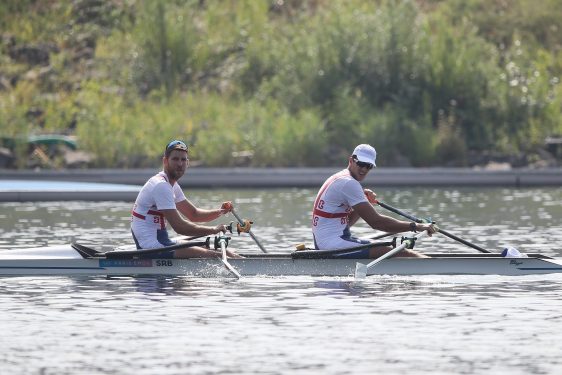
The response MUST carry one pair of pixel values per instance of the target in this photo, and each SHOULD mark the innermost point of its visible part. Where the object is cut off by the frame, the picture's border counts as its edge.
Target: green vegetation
(284, 83)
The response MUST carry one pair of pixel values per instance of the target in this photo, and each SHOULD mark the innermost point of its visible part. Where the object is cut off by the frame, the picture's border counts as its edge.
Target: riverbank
(302, 177)
(111, 184)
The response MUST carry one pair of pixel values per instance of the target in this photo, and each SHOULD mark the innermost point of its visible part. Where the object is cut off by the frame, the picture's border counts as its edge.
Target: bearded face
(176, 164)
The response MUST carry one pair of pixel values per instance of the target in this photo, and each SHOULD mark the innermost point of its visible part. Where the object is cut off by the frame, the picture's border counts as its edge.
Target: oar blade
(231, 269)
(360, 270)
(224, 260)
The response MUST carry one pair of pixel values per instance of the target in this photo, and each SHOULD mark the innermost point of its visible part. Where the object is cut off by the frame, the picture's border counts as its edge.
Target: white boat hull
(63, 260)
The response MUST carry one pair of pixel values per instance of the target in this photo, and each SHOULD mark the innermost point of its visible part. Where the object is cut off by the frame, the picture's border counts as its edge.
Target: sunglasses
(362, 164)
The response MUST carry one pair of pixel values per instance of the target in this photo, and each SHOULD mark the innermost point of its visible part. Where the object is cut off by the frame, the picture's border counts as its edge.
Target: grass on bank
(285, 84)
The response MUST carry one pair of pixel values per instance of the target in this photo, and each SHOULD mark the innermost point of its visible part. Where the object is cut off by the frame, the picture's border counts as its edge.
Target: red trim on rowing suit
(316, 211)
(152, 212)
(329, 215)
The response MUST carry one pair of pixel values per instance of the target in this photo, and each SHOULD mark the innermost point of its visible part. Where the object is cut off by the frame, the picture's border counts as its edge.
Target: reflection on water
(296, 325)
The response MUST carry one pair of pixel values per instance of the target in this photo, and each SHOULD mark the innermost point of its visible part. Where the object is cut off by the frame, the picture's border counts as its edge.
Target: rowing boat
(75, 259)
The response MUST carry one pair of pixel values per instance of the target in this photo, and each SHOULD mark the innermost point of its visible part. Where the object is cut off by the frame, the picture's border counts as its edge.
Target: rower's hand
(430, 228)
(221, 228)
(226, 207)
(371, 196)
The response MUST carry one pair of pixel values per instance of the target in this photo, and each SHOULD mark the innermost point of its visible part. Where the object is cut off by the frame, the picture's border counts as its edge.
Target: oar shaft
(399, 212)
(444, 232)
(224, 260)
(319, 254)
(382, 235)
(249, 232)
(396, 250)
(127, 254)
(193, 238)
(464, 242)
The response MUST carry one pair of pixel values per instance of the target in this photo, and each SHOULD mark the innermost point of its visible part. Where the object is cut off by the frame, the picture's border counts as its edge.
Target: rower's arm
(188, 228)
(377, 221)
(195, 214)
(353, 217)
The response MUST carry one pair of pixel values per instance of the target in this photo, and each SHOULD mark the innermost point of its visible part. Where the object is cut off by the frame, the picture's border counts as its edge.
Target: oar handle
(249, 232)
(444, 232)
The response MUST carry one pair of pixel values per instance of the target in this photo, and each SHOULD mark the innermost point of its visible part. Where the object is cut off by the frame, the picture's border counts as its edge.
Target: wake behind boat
(76, 259)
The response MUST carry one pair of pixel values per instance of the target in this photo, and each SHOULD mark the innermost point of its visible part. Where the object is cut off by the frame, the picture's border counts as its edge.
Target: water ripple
(297, 325)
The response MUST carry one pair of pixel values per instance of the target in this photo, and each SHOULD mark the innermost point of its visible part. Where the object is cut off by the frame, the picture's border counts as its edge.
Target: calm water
(303, 325)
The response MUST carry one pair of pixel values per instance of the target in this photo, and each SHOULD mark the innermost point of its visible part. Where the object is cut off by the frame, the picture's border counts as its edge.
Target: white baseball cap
(366, 153)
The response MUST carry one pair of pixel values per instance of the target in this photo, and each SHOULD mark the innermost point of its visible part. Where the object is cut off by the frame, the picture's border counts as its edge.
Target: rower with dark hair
(162, 200)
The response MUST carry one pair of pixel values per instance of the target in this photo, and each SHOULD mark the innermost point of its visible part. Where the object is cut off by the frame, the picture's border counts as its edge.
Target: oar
(361, 269)
(440, 230)
(249, 232)
(382, 235)
(185, 238)
(323, 254)
(130, 254)
(224, 260)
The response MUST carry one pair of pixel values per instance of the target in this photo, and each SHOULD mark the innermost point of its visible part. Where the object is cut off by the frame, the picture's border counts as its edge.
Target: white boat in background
(75, 259)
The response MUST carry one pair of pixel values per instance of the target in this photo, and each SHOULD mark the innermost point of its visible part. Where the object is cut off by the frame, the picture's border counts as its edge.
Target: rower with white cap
(342, 200)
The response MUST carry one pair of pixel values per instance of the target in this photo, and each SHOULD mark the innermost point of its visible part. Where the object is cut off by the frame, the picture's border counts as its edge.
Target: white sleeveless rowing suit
(332, 206)
(147, 222)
